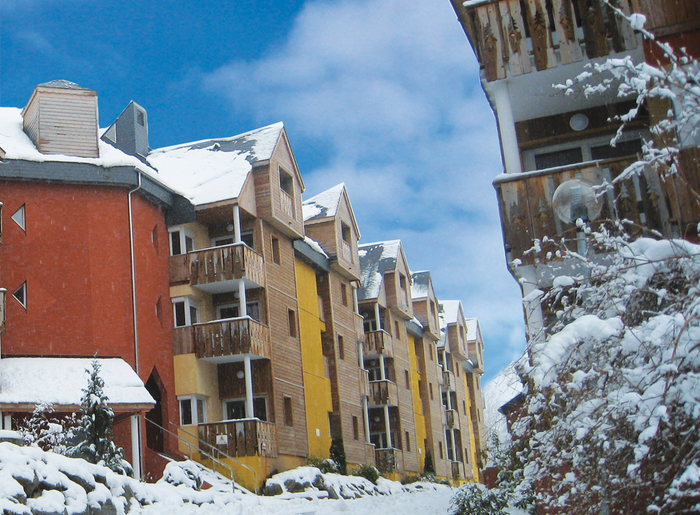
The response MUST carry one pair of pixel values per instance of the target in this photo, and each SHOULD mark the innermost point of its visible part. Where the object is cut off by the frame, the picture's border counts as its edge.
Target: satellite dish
(576, 199)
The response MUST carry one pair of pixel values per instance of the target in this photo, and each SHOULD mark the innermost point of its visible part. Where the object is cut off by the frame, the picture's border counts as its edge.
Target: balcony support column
(248, 372)
(387, 427)
(377, 317)
(136, 446)
(454, 445)
(236, 224)
(382, 371)
(500, 94)
(242, 301)
(365, 410)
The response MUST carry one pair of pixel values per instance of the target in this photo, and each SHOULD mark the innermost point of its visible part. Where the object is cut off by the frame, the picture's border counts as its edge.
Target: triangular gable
(283, 145)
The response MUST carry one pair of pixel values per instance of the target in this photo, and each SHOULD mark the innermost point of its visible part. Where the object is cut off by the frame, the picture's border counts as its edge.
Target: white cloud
(388, 92)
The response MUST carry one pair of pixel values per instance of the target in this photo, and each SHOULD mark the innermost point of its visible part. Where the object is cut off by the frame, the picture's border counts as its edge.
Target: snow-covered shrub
(369, 472)
(44, 429)
(476, 499)
(325, 465)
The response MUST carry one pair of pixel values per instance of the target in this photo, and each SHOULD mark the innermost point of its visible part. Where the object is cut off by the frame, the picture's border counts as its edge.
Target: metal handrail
(255, 475)
(189, 444)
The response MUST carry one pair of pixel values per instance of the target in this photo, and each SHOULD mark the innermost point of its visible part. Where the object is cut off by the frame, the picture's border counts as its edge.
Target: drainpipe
(135, 421)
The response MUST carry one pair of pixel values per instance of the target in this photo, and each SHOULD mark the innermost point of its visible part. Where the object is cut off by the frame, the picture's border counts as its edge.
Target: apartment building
(554, 144)
(234, 324)
(84, 261)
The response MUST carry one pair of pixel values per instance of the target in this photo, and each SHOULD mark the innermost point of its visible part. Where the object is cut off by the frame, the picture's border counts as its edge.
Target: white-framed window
(193, 410)
(181, 241)
(185, 311)
(246, 237)
(225, 311)
(234, 409)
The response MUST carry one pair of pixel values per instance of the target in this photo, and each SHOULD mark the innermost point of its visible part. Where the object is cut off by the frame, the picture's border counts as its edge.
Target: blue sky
(380, 94)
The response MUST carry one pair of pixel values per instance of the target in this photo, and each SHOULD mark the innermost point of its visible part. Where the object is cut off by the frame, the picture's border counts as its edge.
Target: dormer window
(286, 183)
(140, 118)
(345, 232)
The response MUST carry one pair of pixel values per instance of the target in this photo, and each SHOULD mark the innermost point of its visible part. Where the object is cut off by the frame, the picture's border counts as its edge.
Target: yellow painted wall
(418, 416)
(317, 387)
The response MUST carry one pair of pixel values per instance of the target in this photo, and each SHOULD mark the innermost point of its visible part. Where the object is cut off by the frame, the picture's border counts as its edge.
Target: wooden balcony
(208, 267)
(223, 340)
(383, 393)
(239, 438)
(448, 381)
(359, 325)
(514, 37)
(364, 383)
(525, 202)
(452, 419)
(378, 342)
(389, 460)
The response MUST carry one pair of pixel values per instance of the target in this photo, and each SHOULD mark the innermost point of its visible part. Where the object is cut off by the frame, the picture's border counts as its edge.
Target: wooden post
(242, 301)
(387, 426)
(236, 224)
(249, 412)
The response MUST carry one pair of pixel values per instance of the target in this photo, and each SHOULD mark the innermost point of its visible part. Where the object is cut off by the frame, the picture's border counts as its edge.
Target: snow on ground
(34, 480)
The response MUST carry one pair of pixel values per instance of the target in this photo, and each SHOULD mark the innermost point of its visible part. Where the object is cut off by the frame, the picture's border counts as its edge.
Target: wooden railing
(448, 380)
(287, 204)
(525, 202)
(238, 438)
(346, 252)
(378, 342)
(221, 338)
(389, 460)
(383, 393)
(510, 36)
(452, 419)
(216, 264)
(359, 325)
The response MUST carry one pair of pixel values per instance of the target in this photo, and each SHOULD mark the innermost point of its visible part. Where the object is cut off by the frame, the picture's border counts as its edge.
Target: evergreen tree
(428, 467)
(338, 455)
(93, 437)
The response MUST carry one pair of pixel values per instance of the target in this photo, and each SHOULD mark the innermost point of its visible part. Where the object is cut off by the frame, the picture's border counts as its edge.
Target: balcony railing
(346, 252)
(218, 264)
(383, 393)
(223, 338)
(378, 342)
(510, 35)
(452, 419)
(287, 204)
(389, 460)
(239, 438)
(525, 202)
(448, 381)
(359, 325)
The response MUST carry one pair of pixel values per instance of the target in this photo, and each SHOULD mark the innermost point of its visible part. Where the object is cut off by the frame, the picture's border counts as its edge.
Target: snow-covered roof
(324, 204)
(213, 170)
(449, 312)
(375, 259)
(420, 284)
(18, 146)
(472, 329)
(60, 381)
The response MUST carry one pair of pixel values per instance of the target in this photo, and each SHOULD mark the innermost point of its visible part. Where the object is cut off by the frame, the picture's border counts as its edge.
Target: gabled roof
(448, 313)
(324, 204)
(213, 170)
(420, 285)
(375, 259)
(473, 329)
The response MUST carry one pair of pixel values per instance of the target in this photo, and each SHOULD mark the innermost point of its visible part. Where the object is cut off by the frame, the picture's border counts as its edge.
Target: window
(286, 183)
(408, 442)
(181, 241)
(154, 237)
(226, 311)
(407, 375)
(345, 232)
(344, 294)
(430, 387)
(20, 295)
(402, 281)
(276, 250)
(341, 347)
(397, 331)
(235, 409)
(159, 310)
(288, 417)
(430, 351)
(221, 241)
(440, 449)
(192, 410)
(464, 407)
(621, 149)
(140, 118)
(355, 428)
(558, 158)
(19, 218)
(291, 315)
(185, 311)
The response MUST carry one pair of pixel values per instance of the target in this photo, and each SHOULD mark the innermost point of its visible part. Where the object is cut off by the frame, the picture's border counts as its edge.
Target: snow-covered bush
(44, 429)
(476, 499)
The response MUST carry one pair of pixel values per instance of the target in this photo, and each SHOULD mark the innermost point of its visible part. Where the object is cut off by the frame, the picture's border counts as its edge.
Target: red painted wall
(75, 259)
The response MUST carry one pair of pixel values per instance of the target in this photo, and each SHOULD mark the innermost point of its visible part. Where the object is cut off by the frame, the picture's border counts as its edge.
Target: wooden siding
(515, 37)
(669, 14)
(397, 298)
(244, 438)
(63, 121)
(525, 202)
